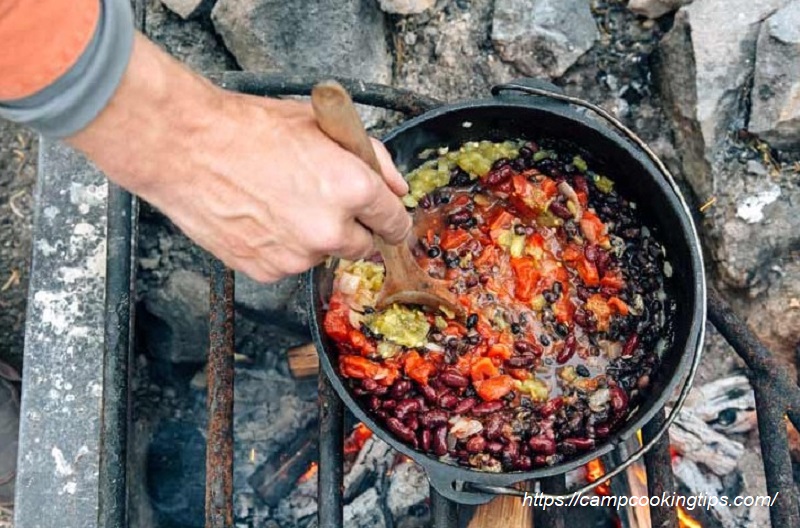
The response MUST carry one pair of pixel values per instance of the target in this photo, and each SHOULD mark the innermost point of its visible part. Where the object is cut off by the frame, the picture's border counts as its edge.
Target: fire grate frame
(101, 474)
(776, 394)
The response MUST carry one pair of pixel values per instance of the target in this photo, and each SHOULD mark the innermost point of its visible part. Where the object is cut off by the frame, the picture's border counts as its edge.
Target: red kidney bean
(476, 444)
(523, 361)
(369, 384)
(437, 385)
(526, 347)
(400, 388)
(551, 407)
(464, 405)
(643, 382)
(358, 391)
(448, 400)
(461, 217)
(580, 185)
(429, 393)
(381, 390)
(591, 251)
(494, 448)
(439, 440)
(602, 430)
(499, 175)
(580, 444)
(487, 408)
(511, 450)
(400, 429)
(493, 427)
(373, 403)
(602, 263)
(383, 414)
(618, 400)
(542, 445)
(406, 406)
(422, 405)
(560, 210)
(540, 460)
(454, 379)
(425, 439)
(630, 345)
(568, 350)
(412, 422)
(433, 418)
(389, 405)
(523, 463)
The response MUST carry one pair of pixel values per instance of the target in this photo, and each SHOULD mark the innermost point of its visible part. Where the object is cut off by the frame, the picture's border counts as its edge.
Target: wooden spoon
(405, 282)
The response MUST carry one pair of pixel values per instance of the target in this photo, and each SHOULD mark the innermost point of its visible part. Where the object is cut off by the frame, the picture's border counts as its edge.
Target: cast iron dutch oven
(513, 114)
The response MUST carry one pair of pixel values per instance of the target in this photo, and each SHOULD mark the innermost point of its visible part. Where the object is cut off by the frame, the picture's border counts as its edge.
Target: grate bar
(551, 517)
(444, 512)
(219, 447)
(331, 456)
(660, 478)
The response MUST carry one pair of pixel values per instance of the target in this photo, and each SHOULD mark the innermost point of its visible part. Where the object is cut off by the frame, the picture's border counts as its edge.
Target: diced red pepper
(592, 227)
(500, 219)
(612, 281)
(453, 238)
(619, 305)
(499, 352)
(602, 311)
(526, 276)
(418, 368)
(494, 388)
(588, 272)
(487, 258)
(337, 320)
(563, 309)
(454, 329)
(483, 369)
(519, 373)
(361, 343)
(571, 253)
(358, 367)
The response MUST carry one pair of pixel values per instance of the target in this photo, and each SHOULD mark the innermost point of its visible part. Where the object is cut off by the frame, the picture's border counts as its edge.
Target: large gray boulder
(706, 63)
(543, 37)
(342, 37)
(655, 8)
(775, 114)
(187, 9)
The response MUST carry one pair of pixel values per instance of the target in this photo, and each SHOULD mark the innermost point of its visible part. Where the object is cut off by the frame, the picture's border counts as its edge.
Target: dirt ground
(18, 159)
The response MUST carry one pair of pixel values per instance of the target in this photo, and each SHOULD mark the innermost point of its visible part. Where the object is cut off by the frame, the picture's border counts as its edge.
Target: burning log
(275, 479)
(695, 440)
(372, 458)
(303, 361)
(728, 404)
(698, 483)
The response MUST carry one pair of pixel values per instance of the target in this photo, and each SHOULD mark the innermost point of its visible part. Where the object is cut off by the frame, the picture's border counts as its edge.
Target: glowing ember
(310, 473)
(357, 439)
(595, 470)
(687, 521)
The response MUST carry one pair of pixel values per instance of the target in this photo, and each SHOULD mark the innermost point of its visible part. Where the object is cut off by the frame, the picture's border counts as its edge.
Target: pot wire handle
(687, 384)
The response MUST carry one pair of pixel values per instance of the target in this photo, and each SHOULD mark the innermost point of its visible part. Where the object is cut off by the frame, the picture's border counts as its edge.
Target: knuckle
(361, 190)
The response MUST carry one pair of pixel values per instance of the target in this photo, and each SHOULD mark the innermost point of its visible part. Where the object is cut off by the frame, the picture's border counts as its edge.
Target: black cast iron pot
(638, 175)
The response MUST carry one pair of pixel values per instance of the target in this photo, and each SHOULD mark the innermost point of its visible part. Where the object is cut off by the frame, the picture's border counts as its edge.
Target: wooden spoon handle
(337, 117)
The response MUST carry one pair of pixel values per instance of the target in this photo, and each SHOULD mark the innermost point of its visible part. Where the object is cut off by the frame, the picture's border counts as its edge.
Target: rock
(775, 114)
(365, 510)
(775, 314)
(341, 37)
(406, 7)
(187, 9)
(175, 320)
(655, 8)
(193, 42)
(706, 61)
(752, 221)
(282, 304)
(543, 37)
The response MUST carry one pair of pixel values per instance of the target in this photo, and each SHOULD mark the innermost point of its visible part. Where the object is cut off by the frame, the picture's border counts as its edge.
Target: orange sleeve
(40, 40)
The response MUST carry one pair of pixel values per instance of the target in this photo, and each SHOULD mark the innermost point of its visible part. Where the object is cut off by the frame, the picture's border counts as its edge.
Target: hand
(252, 180)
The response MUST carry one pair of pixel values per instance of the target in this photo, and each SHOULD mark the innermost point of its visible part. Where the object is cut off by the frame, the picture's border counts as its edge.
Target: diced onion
(348, 283)
(464, 428)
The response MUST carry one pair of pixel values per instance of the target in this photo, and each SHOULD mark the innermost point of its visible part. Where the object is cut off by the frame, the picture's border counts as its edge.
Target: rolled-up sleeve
(61, 60)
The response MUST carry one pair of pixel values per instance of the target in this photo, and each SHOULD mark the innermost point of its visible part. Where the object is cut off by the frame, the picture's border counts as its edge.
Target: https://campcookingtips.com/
(673, 500)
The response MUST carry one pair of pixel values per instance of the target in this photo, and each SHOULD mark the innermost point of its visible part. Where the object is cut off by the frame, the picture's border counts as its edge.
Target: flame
(357, 439)
(594, 470)
(310, 473)
(687, 521)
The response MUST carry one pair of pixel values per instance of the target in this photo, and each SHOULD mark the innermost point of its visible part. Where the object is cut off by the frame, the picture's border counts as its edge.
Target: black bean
(434, 251)
(549, 296)
(544, 340)
(519, 229)
(562, 329)
(472, 320)
(459, 178)
(515, 328)
(582, 371)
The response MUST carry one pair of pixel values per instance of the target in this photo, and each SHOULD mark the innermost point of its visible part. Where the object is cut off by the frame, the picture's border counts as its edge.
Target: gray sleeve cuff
(77, 97)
